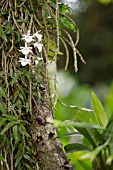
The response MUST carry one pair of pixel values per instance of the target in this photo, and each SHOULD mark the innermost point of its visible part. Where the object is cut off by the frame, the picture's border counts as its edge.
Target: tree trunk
(25, 103)
(49, 153)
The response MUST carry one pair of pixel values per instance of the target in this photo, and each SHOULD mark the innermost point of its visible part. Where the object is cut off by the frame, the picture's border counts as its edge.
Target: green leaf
(2, 108)
(85, 132)
(75, 124)
(32, 11)
(86, 129)
(51, 53)
(82, 114)
(18, 105)
(95, 152)
(24, 131)
(85, 116)
(19, 156)
(53, 1)
(69, 134)
(109, 128)
(2, 35)
(16, 135)
(15, 78)
(74, 147)
(10, 117)
(2, 93)
(84, 165)
(99, 137)
(4, 12)
(99, 111)
(67, 23)
(9, 125)
(28, 166)
(64, 8)
(2, 121)
(17, 37)
(28, 158)
(60, 53)
(2, 158)
(29, 149)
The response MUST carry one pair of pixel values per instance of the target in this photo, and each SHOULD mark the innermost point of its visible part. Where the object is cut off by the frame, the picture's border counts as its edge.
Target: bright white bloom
(24, 61)
(39, 36)
(39, 46)
(37, 60)
(28, 32)
(49, 17)
(26, 50)
(27, 37)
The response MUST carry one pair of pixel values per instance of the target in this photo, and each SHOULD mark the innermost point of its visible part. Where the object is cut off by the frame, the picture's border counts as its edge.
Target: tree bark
(48, 148)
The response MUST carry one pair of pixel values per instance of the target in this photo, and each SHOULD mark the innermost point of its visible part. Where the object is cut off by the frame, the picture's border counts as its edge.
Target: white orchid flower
(37, 60)
(39, 36)
(39, 46)
(26, 50)
(28, 38)
(24, 61)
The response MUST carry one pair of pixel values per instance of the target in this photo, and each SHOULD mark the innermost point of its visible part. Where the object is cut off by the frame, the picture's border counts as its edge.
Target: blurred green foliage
(75, 138)
(70, 93)
(105, 1)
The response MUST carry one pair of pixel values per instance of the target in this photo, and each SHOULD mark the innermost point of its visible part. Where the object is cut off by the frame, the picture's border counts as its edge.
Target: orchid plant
(34, 40)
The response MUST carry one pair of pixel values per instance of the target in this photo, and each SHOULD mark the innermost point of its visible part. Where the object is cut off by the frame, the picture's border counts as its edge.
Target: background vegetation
(94, 19)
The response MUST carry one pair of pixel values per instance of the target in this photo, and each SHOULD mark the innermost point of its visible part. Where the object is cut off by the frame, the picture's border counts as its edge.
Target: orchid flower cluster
(34, 40)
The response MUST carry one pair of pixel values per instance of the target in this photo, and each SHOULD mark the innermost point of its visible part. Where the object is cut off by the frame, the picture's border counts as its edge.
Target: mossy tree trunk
(49, 153)
(27, 140)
